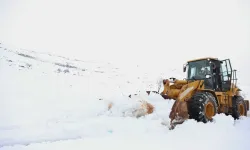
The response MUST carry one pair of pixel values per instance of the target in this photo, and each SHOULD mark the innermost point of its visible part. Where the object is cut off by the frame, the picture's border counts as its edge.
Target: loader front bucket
(179, 113)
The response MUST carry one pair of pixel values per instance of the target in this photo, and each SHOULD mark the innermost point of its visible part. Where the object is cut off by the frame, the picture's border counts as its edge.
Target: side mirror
(184, 68)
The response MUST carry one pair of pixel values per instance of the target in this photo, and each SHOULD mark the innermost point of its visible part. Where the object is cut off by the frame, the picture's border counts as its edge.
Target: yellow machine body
(187, 93)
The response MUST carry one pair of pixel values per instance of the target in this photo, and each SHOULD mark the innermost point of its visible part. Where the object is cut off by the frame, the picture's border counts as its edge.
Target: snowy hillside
(54, 102)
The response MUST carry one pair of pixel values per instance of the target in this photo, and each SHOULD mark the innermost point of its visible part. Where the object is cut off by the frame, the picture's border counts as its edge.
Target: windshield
(198, 70)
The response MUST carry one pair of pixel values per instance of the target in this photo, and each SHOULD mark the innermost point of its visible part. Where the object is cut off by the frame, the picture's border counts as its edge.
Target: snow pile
(133, 105)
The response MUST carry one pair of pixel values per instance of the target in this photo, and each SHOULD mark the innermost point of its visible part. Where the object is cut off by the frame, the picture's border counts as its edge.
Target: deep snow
(45, 105)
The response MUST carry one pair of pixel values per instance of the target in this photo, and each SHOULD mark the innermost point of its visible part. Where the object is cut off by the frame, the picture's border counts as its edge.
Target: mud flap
(179, 113)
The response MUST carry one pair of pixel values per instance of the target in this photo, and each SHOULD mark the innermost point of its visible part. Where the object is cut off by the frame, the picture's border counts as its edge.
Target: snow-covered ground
(53, 102)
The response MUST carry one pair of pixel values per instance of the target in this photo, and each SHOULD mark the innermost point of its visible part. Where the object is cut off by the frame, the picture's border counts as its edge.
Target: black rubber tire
(196, 107)
(237, 100)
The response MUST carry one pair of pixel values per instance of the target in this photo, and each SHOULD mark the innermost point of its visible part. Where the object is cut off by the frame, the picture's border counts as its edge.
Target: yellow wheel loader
(210, 87)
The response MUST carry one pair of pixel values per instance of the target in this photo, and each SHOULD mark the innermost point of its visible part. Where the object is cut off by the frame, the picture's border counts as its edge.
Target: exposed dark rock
(25, 55)
(67, 65)
(66, 71)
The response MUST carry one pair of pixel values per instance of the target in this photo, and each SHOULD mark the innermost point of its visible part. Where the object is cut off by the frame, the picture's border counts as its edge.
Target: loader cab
(227, 75)
(222, 74)
(200, 69)
(215, 73)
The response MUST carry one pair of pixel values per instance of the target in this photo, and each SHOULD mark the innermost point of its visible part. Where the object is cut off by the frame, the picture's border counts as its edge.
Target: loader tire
(239, 107)
(202, 107)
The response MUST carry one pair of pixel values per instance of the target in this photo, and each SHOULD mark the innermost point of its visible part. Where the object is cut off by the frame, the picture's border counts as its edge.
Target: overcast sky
(159, 32)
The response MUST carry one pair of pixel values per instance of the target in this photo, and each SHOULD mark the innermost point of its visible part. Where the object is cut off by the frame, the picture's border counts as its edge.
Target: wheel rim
(209, 110)
(241, 109)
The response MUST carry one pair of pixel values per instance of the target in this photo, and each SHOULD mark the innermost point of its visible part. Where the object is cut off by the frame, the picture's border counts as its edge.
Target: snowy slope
(53, 102)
